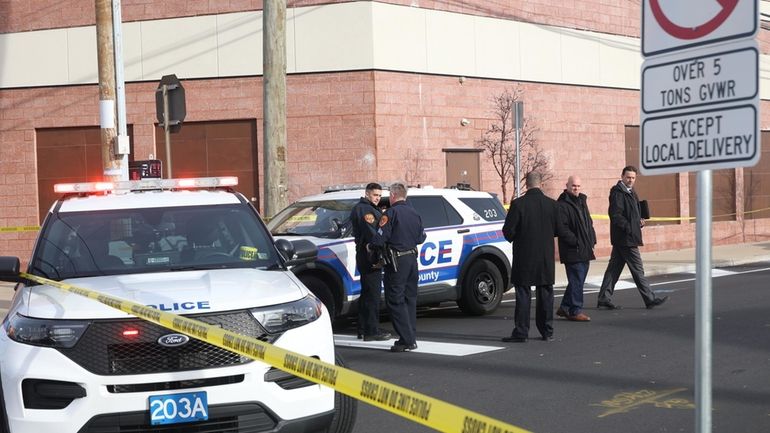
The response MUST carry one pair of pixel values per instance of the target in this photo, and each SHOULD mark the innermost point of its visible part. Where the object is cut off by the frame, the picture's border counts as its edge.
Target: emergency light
(145, 185)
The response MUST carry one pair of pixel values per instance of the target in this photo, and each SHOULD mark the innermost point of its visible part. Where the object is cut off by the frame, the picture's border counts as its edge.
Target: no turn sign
(672, 25)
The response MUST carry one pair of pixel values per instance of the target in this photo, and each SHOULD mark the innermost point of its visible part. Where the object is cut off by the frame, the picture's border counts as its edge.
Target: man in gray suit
(626, 236)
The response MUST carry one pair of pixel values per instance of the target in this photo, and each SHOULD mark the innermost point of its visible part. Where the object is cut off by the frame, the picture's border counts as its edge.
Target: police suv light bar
(146, 184)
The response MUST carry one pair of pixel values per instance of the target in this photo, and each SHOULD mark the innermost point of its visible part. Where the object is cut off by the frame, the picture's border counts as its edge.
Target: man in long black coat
(531, 224)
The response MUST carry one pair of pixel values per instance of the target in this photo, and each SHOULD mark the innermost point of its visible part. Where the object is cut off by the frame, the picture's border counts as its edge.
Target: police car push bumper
(44, 364)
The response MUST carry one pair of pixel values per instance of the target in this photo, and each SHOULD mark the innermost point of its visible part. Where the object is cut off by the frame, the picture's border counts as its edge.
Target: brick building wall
(620, 17)
(357, 126)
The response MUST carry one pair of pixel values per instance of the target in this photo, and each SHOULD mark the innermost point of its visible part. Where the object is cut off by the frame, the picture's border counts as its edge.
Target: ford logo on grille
(173, 340)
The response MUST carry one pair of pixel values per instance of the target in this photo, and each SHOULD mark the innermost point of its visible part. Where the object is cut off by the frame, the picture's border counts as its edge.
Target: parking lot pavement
(655, 263)
(676, 261)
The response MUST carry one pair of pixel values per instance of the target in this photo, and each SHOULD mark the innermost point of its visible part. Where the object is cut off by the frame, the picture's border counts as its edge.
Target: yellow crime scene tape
(19, 229)
(414, 406)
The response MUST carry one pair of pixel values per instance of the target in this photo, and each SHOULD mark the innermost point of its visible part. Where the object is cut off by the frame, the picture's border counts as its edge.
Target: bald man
(574, 213)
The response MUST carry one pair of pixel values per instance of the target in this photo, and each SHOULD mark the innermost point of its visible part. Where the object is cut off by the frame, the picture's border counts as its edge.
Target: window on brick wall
(722, 194)
(661, 191)
(67, 155)
(756, 184)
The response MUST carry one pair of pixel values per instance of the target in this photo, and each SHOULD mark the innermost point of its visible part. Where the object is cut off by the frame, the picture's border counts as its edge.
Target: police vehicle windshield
(323, 219)
(127, 241)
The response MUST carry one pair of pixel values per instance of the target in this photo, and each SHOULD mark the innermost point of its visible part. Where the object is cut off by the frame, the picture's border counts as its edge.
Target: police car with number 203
(465, 257)
(193, 247)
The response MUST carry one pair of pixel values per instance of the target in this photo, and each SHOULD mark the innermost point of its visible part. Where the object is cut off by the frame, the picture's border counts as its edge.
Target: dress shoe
(608, 305)
(514, 339)
(561, 313)
(579, 317)
(382, 336)
(403, 347)
(547, 338)
(657, 301)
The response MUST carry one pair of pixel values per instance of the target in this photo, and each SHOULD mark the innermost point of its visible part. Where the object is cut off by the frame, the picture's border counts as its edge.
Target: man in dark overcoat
(626, 237)
(531, 224)
(576, 257)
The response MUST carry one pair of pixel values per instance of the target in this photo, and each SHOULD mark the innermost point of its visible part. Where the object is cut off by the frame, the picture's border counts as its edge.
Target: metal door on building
(214, 148)
(462, 167)
(64, 155)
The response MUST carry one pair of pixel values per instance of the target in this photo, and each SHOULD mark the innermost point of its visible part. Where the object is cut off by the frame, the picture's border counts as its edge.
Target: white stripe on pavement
(423, 346)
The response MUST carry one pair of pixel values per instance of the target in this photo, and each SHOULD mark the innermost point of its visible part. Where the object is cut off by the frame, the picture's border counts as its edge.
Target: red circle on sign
(728, 6)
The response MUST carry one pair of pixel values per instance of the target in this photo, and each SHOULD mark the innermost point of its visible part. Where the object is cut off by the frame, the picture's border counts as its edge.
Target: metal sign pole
(167, 130)
(703, 304)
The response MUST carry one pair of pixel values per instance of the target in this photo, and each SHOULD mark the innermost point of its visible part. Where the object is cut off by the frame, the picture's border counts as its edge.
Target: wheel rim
(486, 289)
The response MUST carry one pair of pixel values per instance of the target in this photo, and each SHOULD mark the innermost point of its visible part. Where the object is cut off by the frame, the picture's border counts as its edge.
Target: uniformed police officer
(400, 232)
(364, 216)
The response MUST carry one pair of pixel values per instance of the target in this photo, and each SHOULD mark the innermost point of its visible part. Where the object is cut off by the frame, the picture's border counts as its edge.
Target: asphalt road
(630, 370)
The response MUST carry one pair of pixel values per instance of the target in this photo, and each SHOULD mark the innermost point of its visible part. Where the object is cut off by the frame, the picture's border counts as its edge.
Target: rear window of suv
(435, 211)
(488, 208)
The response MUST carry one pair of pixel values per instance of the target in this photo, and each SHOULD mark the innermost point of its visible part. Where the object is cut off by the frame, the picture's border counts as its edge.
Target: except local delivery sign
(721, 137)
(700, 85)
(670, 25)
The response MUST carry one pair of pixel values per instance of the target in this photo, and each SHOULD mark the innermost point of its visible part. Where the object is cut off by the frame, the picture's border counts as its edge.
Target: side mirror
(297, 252)
(9, 269)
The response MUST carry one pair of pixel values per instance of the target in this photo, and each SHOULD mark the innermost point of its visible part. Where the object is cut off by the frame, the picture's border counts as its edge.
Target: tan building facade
(375, 91)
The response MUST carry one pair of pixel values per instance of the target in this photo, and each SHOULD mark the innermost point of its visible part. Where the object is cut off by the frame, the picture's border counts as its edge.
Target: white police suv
(188, 246)
(465, 257)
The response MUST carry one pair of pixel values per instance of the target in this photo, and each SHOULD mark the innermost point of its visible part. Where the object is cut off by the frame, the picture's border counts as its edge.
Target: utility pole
(274, 104)
(106, 60)
(122, 146)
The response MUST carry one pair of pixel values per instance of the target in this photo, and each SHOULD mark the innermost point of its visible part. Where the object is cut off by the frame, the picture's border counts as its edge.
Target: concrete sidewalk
(675, 261)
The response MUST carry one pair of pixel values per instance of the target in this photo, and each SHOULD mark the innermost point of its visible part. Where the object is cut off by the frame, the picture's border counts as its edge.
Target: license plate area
(178, 408)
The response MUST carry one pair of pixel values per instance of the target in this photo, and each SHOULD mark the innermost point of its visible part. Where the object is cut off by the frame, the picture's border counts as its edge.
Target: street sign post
(700, 111)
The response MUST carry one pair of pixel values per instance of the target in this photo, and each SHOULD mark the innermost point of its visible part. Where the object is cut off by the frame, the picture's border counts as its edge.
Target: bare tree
(499, 143)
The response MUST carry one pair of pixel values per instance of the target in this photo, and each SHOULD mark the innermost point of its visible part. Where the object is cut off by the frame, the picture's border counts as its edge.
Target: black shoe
(547, 338)
(403, 347)
(657, 301)
(608, 305)
(382, 336)
(514, 339)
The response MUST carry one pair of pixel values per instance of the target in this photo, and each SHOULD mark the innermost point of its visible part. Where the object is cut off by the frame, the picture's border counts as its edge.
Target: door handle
(463, 230)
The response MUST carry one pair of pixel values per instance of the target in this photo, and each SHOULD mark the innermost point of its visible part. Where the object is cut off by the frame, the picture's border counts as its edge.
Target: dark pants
(572, 302)
(369, 300)
(620, 257)
(401, 298)
(543, 310)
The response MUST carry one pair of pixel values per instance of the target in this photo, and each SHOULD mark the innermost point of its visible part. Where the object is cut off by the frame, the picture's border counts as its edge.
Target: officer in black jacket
(626, 236)
(364, 217)
(400, 232)
(577, 257)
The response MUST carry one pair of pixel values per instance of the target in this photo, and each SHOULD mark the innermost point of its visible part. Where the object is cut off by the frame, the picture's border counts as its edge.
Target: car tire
(482, 289)
(345, 409)
(322, 292)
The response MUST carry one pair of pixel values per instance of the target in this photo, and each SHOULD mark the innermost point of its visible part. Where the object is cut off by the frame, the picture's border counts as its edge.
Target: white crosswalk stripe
(423, 346)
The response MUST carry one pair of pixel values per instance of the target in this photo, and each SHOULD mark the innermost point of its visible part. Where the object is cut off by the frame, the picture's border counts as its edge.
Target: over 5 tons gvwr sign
(716, 138)
(700, 79)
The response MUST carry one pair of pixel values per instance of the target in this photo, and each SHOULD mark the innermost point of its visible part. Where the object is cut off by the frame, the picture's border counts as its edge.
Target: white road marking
(721, 272)
(423, 346)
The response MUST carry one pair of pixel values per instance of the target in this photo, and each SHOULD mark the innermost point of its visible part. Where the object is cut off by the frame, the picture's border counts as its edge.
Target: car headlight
(45, 332)
(282, 317)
